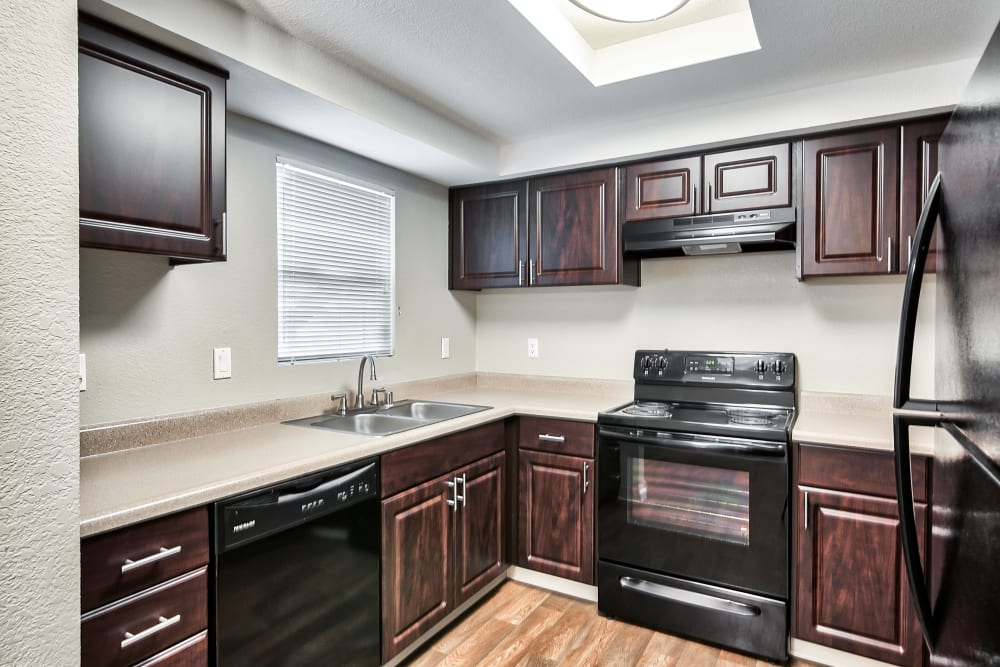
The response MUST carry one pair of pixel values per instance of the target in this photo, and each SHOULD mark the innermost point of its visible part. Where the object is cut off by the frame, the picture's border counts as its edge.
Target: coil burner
(649, 409)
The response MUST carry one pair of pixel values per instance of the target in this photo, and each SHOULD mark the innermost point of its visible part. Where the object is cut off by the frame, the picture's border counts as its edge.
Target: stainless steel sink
(388, 420)
(432, 411)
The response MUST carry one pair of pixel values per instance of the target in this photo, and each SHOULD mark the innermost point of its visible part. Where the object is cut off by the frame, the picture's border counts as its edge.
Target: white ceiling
(479, 62)
(468, 90)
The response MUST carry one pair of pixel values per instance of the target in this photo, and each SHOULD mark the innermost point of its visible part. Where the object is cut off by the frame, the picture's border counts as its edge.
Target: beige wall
(843, 330)
(148, 330)
(39, 411)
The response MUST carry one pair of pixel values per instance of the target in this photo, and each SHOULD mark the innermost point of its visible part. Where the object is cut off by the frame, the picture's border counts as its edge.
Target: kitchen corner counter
(125, 487)
(853, 420)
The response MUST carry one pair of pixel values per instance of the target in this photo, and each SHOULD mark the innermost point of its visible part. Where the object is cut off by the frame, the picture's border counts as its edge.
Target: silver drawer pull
(551, 438)
(148, 560)
(148, 632)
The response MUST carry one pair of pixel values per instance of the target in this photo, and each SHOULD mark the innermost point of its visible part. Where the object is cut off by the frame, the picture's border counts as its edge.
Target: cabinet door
(556, 515)
(920, 165)
(573, 229)
(479, 526)
(850, 186)
(152, 148)
(489, 235)
(747, 179)
(416, 563)
(851, 586)
(662, 189)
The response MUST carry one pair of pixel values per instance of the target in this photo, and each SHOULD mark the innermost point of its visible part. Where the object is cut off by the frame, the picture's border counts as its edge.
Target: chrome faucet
(359, 402)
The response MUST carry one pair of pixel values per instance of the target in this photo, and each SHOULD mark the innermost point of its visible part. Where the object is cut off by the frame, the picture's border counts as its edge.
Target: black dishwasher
(297, 572)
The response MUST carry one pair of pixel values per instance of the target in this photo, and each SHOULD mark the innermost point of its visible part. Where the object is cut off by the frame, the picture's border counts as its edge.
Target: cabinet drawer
(181, 538)
(104, 640)
(857, 470)
(191, 652)
(558, 436)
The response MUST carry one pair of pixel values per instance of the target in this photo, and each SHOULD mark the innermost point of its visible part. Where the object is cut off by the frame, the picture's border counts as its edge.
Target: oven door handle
(690, 598)
(664, 439)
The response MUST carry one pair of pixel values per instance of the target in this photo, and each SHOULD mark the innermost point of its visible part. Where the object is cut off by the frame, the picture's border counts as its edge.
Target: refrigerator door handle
(907, 523)
(911, 300)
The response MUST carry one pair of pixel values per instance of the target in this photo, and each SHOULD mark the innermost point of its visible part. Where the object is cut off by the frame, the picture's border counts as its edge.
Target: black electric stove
(693, 493)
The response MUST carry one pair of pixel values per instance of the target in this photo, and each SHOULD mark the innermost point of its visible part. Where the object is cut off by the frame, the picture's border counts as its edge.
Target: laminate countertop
(124, 487)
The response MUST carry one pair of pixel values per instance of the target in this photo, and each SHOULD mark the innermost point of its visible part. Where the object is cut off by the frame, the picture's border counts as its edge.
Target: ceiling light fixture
(630, 11)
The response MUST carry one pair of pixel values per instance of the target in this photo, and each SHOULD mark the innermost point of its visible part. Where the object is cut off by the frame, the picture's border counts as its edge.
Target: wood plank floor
(529, 627)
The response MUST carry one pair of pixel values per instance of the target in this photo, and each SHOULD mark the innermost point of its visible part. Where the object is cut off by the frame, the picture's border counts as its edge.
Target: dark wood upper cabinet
(488, 230)
(850, 195)
(736, 180)
(747, 179)
(919, 167)
(662, 189)
(152, 147)
(573, 229)
(555, 230)
(851, 591)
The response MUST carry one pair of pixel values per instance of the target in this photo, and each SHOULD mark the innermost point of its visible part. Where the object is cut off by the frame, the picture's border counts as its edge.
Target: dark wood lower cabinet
(442, 542)
(416, 563)
(556, 515)
(851, 591)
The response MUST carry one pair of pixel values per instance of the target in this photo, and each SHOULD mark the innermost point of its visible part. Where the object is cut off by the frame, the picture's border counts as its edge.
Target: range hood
(712, 234)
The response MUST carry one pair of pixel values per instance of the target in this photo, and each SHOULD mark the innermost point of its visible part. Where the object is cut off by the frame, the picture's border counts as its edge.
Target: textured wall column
(39, 335)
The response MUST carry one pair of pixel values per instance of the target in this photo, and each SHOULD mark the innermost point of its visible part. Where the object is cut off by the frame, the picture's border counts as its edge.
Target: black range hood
(711, 234)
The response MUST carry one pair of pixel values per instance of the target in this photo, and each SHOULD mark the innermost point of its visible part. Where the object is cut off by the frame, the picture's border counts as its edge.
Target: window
(336, 266)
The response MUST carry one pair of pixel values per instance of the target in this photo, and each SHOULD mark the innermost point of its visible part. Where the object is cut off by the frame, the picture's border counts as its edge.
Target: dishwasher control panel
(258, 514)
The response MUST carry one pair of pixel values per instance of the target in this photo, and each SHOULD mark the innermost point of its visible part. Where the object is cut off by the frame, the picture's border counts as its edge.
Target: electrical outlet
(532, 348)
(445, 348)
(83, 372)
(222, 363)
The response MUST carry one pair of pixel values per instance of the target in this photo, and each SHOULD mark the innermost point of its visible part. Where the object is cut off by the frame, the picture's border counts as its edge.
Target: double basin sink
(383, 420)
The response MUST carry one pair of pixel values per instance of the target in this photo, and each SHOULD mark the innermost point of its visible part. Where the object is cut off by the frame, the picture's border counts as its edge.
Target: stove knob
(760, 366)
(661, 364)
(778, 367)
(646, 363)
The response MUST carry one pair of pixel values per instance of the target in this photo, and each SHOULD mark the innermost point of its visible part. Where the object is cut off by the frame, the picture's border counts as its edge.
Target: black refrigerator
(957, 588)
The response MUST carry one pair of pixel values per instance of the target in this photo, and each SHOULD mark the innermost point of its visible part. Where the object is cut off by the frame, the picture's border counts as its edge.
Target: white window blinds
(336, 293)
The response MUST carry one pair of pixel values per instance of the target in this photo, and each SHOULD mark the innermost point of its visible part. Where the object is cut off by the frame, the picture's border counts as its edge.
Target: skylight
(607, 52)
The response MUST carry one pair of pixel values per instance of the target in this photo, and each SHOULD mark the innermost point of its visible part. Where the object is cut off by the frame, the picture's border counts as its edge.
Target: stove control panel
(740, 369)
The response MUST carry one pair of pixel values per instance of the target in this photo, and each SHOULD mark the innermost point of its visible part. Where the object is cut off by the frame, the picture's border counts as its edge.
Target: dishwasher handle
(258, 514)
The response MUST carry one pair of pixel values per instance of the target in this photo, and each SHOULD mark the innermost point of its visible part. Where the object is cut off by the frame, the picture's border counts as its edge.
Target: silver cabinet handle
(909, 248)
(149, 632)
(520, 272)
(464, 494)
(531, 271)
(805, 509)
(453, 501)
(163, 553)
(551, 438)
(888, 241)
(694, 197)
(586, 475)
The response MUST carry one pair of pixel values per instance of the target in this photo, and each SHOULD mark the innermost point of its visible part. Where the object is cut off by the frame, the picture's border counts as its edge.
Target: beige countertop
(851, 420)
(125, 487)
(120, 488)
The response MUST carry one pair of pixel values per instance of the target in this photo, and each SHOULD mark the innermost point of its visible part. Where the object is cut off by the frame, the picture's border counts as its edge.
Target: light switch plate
(445, 348)
(532, 348)
(222, 363)
(83, 372)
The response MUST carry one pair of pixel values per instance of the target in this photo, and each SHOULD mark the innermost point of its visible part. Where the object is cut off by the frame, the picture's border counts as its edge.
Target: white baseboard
(825, 655)
(552, 583)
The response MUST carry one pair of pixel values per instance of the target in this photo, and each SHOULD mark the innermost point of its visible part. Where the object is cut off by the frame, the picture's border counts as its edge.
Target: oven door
(700, 507)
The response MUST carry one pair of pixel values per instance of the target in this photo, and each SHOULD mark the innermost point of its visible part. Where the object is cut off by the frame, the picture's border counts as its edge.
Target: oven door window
(695, 500)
